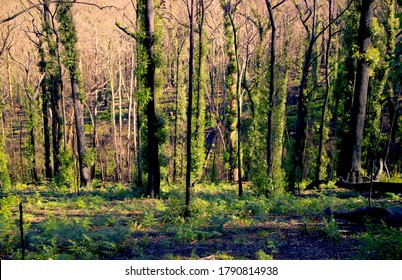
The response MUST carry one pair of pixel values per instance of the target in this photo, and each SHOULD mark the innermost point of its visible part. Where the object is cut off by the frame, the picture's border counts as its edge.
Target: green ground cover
(115, 222)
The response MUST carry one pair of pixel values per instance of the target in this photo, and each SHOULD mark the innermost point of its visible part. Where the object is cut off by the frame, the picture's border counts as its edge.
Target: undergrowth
(115, 222)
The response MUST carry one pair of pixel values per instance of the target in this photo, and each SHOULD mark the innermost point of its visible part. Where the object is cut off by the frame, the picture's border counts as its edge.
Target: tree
(54, 86)
(230, 87)
(308, 17)
(302, 110)
(148, 16)
(198, 150)
(270, 158)
(68, 38)
(5, 182)
(178, 101)
(45, 108)
(189, 106)
(327, 95)
(360, 94)
(275, 105)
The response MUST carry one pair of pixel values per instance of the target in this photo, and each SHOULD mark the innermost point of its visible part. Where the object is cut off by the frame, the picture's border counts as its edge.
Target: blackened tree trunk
(199, 139)
(176, 119)
(360, 93)
(177, 134)
(230, 84)
(237, 172)
(54, 85)
(45, 113)
(189, 107)
(326, 100)
(153, 189)
(270, 151)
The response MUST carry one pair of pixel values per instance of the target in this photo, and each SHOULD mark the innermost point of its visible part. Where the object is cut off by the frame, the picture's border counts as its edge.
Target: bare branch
(334, 20)
(5, 38)
(10, 18)
(277, 5)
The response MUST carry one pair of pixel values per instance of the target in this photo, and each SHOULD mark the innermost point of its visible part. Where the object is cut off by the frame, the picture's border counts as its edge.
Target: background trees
(275, 91)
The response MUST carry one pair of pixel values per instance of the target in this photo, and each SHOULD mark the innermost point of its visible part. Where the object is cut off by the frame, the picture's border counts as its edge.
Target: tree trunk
(32, 117)
(176, 120)
(153, 189)
(54, 87)
(270, 157)
(237, 173)
(45, 113)
(136, 110)
(120, 141)
(231, 82)
(85, 176)
(68, 38)
(113, 119)
(327, 93)
(189, 107)
(360, 94)
(199, 138)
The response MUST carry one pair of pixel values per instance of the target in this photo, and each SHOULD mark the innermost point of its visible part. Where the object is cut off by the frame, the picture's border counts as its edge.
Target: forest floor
(113, 222)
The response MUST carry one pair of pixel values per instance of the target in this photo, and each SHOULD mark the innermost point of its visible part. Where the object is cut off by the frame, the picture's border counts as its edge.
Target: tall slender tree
(147, 13)
(54, 84)
(270, 152)
(189, 106)
(45, 109)
(68, 38)
(230, 88)
(327, 95)
(360, 93)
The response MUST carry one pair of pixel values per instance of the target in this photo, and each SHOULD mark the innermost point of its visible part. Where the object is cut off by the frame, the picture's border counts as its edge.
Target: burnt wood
(379, 187)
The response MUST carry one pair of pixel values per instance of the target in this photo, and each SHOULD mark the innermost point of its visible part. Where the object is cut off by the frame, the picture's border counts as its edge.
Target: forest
(200, 129)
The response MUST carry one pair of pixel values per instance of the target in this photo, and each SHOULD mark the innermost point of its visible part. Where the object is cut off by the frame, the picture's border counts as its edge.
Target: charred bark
(390, 216)
(380, 187)
(153, 189)
(360, 94)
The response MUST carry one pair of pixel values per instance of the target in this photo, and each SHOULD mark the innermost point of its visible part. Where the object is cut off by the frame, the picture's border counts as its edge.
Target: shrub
(5, 182)
(65, 177)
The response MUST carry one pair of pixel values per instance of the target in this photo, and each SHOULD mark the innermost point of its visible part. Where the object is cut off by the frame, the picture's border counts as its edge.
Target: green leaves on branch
(372, 56)
(68, 37)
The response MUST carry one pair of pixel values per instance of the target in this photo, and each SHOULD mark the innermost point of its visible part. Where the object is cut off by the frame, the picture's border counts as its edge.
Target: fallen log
(390, 216)
(380, 187)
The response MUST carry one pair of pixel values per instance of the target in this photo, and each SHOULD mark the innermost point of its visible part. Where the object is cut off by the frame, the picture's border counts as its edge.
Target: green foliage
(5, 182)
(90, 156)
(66, 176)
(261, 255)
(8, 228)
(381, 243)
(68, 37)
(330, 229)
(110, 223)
